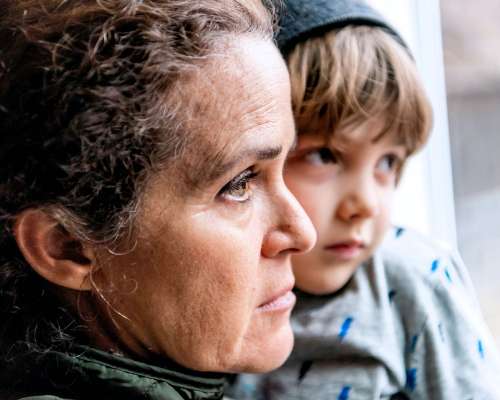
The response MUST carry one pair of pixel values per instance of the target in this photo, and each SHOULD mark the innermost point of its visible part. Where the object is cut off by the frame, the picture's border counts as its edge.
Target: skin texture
(346, 186)
(214, 245)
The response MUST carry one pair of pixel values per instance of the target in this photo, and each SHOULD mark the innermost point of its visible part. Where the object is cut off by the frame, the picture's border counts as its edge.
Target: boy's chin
(325, 283)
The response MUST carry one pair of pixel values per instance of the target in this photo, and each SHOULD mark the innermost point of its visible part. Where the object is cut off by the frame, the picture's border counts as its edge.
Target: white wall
(425, 198)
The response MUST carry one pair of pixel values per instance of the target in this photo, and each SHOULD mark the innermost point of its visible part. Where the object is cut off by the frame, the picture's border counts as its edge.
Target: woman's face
(209, 280)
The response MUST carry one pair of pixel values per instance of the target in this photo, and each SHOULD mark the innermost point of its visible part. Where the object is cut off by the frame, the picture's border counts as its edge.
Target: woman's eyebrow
(269, 153)
(219, 165)
(257, 154)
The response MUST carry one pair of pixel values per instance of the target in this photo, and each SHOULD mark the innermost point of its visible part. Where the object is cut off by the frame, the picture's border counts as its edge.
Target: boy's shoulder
(402, 241)
(422, 276)
(408, 254)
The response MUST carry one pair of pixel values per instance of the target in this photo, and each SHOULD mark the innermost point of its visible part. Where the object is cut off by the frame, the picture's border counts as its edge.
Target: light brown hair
(355, 73)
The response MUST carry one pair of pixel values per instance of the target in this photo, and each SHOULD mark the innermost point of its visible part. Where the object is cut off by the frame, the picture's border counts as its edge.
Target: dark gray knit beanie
(302, 19)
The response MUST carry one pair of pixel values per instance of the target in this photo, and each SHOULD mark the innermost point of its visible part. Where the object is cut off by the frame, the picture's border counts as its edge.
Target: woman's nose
(359, 201)
(293, 230)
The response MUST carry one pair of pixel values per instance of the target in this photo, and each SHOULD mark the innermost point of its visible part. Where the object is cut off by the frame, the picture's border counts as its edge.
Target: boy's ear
(52, 251)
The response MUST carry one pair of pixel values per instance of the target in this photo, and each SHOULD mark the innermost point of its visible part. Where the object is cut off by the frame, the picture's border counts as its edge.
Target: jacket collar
(85, 371)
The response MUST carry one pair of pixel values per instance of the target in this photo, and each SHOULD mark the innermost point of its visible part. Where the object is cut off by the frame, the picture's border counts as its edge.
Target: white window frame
(424, 200)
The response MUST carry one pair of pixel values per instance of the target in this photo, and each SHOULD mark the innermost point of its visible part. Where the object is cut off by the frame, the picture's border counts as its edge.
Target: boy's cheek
(316, 199)
(383, 226)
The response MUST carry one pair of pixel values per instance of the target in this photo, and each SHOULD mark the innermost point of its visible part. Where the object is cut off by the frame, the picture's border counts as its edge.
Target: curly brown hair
(88, 108)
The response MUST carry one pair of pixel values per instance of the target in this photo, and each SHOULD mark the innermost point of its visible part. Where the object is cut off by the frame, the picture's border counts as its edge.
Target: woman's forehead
(241, 99)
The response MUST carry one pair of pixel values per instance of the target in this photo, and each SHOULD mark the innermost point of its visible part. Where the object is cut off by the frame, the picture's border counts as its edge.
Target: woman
(146, 231)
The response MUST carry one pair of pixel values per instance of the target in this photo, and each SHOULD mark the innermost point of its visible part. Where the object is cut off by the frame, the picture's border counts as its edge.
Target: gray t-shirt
(407, 325)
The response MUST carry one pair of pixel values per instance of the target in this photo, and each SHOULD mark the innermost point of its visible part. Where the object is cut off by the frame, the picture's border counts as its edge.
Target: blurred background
(471, 46)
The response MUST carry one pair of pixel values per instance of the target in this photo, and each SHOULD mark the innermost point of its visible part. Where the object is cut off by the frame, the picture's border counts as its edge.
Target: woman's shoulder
(43, 397)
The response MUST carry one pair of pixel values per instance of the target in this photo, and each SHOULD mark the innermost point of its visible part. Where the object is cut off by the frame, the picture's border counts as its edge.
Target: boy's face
(346, 186)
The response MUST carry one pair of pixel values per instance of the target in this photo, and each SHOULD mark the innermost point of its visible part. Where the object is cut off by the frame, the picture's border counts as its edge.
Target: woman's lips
(282, 302)
(346, 250)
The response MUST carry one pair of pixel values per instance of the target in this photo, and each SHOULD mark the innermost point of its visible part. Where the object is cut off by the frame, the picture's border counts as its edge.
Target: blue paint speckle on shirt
(344, 329)
(399, 231)
(344, 394)
(435, 265)
(480, 348)
(411, 379)
(413, 344)
(447, 273)
(392, 293)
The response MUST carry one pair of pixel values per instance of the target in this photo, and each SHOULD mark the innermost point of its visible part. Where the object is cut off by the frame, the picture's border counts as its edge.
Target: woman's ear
(52, 251)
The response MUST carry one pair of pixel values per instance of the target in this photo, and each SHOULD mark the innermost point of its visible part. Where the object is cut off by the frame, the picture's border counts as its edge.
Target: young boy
(373, 320)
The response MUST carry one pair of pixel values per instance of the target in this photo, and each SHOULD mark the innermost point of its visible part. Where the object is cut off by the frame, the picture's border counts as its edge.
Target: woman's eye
(388, 163)
(321, 156)
(239, 188)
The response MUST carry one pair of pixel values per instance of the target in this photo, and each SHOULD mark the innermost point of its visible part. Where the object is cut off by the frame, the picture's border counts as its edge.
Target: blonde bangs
(348, 76)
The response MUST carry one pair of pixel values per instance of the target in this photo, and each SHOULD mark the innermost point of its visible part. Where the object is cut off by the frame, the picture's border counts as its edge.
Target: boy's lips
(346, 250)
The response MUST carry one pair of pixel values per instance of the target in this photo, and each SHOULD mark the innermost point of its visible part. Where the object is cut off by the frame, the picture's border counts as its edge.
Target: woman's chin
(276, 355)
(268, 353)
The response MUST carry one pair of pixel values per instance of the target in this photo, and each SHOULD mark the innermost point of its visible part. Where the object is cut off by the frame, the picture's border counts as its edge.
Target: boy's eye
(388, 163)
(238, 189)
(321, 156)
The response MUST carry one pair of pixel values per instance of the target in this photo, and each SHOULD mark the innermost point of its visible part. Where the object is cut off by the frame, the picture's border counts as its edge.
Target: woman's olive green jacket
(89, 374)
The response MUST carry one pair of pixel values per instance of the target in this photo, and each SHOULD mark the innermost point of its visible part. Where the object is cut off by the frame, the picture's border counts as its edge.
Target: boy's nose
(359, 202)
